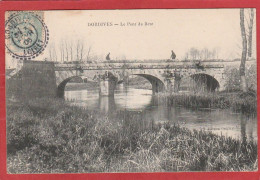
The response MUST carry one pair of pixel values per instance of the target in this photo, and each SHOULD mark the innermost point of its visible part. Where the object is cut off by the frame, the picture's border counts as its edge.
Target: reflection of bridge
(155, 110)
(48, 78)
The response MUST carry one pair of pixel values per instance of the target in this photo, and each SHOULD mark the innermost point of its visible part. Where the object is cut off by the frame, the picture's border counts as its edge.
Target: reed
(49, 136)
(242, 102)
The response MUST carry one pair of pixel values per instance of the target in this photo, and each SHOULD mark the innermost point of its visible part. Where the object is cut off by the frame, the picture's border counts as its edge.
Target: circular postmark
(26, 35)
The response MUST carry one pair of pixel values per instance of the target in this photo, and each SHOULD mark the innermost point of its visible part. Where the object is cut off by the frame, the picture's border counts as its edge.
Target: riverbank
(49, 136)
(237, 101)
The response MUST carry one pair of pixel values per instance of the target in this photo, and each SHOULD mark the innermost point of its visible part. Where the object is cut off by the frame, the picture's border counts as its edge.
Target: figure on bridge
(107, 57)
(199, 65)
(173, 56)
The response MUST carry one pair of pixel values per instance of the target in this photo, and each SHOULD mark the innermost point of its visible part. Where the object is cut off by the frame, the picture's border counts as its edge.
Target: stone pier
(107, 87)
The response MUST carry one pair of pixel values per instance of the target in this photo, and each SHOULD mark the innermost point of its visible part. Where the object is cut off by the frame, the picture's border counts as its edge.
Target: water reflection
(107, 104)
(222, 122)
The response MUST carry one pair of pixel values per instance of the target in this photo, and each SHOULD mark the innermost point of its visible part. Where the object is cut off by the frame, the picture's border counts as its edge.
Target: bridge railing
(132, 66)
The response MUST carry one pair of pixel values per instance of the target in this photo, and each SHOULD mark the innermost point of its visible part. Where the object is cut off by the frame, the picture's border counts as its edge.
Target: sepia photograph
(144, 90)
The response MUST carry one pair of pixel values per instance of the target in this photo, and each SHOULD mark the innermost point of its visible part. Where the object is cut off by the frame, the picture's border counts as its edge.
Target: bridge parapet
(160, 61)
(100, 66)
(167, 61)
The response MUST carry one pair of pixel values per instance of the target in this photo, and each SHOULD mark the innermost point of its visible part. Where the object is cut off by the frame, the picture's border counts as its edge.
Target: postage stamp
(26, 34)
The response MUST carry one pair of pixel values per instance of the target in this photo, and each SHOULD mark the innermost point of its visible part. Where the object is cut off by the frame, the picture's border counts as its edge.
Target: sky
(168, 29)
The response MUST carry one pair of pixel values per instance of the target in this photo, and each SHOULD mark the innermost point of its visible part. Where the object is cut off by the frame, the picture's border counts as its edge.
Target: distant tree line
(68, 50)
(201, 54)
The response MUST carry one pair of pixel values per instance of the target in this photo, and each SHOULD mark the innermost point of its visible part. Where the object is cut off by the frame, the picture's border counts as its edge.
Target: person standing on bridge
(107, 57)
(173, 56)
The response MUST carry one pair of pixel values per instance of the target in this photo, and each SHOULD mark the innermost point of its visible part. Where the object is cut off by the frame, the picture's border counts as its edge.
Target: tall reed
(49, 136)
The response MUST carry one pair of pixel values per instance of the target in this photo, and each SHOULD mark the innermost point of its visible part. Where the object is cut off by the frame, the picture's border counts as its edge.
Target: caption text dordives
(107, 24)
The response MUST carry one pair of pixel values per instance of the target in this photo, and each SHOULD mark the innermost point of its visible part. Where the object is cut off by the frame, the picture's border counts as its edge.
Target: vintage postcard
(148, 90)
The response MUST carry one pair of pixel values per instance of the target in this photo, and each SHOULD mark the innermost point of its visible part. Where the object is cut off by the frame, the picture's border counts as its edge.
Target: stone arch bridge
(42, 78)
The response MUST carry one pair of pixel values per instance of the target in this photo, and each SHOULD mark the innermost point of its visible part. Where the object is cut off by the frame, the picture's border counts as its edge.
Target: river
(221, 122)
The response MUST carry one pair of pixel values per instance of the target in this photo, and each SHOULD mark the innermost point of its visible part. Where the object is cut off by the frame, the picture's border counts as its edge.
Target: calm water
(222, 122)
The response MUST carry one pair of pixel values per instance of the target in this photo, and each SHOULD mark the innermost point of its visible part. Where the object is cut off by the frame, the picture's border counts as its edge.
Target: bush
(233, 78)
(243, 102)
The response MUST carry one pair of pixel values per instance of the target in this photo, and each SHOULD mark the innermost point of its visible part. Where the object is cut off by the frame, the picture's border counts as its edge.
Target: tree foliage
(232, 76)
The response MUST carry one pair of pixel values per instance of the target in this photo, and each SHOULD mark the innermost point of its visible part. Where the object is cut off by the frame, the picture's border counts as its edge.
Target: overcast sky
(177, 30)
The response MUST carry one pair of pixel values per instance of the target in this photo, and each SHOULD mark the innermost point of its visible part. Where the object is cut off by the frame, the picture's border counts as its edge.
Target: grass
(49, 136)
(237, 101)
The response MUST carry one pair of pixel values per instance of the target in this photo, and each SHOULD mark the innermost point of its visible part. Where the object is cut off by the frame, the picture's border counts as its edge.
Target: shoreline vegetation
(50, 136)
(237, 101)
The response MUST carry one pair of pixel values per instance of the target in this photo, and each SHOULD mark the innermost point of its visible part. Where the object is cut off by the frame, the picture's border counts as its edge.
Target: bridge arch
(205, 82)
(157, 84)
(61, 86)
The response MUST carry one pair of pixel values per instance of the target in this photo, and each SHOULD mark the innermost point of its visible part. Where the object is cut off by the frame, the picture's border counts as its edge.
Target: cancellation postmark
(26, 35)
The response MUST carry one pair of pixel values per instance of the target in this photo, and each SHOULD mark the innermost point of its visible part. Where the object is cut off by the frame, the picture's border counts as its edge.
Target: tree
(194, 53)
(89, 49)
(187, 56)
(232, 80)
(71, 51)
(68, 50)
(203, 54)
(80, 50)
(52, 52)
(244, 52)
(78, 45)
(249, 19)
(62, 51)
(250, 33)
